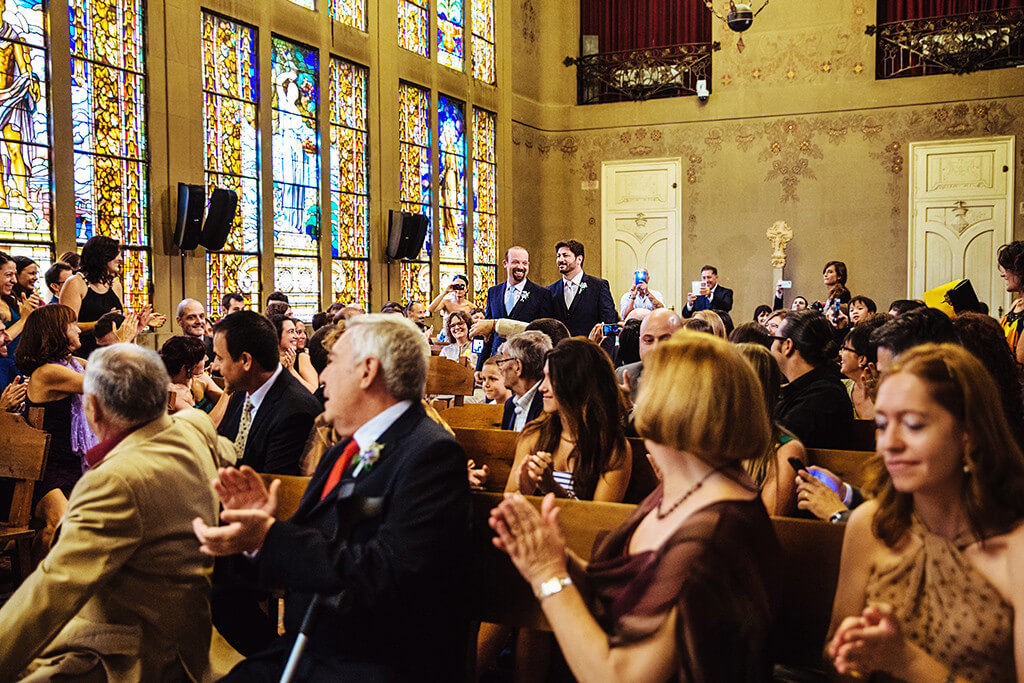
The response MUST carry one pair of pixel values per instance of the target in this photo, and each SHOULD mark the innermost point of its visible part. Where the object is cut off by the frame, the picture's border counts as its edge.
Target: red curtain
(897, 10)
(636, 24)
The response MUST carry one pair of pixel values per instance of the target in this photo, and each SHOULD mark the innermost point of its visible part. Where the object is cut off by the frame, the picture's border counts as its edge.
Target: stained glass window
(450, 24)
(350, 12)
(308, 4)
(485, 205)
(231, 102)
(24, 134)
(414, 179)
(295, 149)
(350, 210)
(413, 25)
(451, 140)
(483, 40)
(108, 110)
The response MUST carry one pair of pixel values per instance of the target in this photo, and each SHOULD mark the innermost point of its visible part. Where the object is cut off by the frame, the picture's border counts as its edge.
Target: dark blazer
(405, 570)
(721, 300)
(279, 428)
(508, 416)
(537, 304)
(592, 304)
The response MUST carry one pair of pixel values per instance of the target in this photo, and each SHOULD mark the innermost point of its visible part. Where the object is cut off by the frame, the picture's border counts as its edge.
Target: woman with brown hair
(684, 589)
(13, 311)
(577, 448)
(927, 586)
(50, 336)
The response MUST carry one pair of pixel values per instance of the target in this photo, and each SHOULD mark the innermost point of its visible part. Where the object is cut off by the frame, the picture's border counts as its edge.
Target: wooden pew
(23, 450)
(290, 493)
(809, 572)
(474, 416)
(496, 448)
(857, 468)
(448, 377)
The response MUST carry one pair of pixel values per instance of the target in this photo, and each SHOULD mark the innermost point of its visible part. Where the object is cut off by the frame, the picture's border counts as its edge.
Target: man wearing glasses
(522, 366)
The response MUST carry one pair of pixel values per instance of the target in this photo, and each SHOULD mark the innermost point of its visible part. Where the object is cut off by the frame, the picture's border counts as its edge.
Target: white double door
(961, 212)
(641, 212)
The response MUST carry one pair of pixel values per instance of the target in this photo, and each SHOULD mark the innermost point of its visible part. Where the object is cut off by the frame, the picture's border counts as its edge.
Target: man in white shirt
(523, 369)
(516, 299)
(640, 296)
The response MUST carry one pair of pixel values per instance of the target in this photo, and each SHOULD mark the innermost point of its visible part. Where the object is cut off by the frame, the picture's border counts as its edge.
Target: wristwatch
(836, 517)
(552, 586)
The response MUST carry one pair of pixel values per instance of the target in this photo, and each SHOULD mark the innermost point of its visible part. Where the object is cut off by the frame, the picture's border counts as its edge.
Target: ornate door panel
(641, 225)
(961, 196)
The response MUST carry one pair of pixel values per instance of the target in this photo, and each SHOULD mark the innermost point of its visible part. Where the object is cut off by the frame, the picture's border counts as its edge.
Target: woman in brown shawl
(683, 589)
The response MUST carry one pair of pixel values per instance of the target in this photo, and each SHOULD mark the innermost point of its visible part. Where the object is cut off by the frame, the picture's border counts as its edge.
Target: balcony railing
(649, 73)
(954, 44)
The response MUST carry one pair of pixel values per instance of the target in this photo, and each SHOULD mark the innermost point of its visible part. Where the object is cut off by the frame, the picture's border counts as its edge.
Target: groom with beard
(515, 299)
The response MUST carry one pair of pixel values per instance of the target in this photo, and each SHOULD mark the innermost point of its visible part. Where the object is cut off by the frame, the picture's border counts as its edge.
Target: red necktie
(339, 466)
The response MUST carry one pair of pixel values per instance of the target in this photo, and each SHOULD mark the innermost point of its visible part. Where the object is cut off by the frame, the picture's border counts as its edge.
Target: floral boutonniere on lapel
(524, 296)
(368, 458)
(583, 285)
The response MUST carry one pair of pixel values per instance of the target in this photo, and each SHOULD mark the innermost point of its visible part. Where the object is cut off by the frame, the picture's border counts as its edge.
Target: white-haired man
(123, 594)
(403, 571)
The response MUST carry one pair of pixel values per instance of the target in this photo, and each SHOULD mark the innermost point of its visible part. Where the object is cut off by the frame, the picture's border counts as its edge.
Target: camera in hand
(609, 330)
(459, 286)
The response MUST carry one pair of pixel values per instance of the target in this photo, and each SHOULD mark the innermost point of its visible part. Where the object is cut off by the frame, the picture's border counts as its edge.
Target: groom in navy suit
(581, 301)
(517, 298)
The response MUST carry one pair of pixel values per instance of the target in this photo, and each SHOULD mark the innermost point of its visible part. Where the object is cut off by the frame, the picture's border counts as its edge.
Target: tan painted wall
(796, 129)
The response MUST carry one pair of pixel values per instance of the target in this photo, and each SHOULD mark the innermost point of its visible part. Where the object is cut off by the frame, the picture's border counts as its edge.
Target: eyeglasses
(499, 361)
(848, 348)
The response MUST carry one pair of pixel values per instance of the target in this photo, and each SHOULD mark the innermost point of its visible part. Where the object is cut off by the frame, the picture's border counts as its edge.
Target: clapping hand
(532, 539)
(539, 466)
(249, 510)
(288, 358)
(147, 318)
(129, 329)
(871, 642)
(13, 395)
(477, 475)
(29, 303)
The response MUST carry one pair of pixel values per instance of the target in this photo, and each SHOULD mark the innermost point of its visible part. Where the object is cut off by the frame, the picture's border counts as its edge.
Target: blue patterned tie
(510, 299)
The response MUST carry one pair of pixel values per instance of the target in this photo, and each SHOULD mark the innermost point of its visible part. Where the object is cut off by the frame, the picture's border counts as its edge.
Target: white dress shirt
(522, 407)
(641, 301)
(256, 397)
(518, 289)
(378, 424)
(570, 288)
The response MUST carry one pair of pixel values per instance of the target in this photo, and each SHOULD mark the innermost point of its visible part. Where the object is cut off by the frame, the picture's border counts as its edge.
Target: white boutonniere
(583, 285)
(524, 296)
(367, 458)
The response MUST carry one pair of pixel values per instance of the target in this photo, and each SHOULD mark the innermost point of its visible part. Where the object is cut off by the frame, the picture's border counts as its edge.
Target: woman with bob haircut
(927, 585)
(50, 336)
(683, 590)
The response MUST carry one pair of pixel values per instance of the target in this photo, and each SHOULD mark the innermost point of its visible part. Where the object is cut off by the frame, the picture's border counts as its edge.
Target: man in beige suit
(123, 594)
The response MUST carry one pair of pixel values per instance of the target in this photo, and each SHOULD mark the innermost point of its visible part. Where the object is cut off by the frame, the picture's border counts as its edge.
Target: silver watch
(552, 586)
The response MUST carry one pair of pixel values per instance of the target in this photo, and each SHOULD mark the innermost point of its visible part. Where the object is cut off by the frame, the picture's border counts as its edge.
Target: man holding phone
(640, 295)
(709, 295)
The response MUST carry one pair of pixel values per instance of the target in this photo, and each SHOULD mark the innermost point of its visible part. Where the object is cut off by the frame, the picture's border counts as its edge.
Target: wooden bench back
(863, 435)
(448, 377)
(23, 450)
(474, 416)
(857, 468)
(290, 493)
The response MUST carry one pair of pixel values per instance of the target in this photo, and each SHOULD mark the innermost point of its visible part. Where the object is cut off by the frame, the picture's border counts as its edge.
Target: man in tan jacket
(123, 594)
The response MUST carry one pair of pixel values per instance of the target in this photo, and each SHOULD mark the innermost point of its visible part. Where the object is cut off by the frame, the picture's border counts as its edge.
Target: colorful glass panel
(484, 277)
(416, 282)
(451, 121)
(299, 278)
(450, 23)
(295, 150)
(350, 282)
(414, 177)
(231, 102)
(108, 110)
(483, 40)
(413, 22)
(24, 129)
(350, 12)
(308, 4)
(485, 203)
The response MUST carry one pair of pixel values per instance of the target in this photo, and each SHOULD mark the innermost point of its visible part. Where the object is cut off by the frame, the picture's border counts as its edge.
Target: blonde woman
(713, 319)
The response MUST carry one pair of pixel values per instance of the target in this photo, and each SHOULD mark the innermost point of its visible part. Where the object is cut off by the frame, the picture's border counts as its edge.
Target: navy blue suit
(508, 416)
(721, 300)
(534, 303)
(592, 304)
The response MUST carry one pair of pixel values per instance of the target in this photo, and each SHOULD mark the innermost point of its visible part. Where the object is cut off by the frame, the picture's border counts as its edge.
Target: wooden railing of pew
(809, 568)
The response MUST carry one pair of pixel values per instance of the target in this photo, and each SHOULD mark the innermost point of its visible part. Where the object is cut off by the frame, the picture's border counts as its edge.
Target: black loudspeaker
(191, 203)
(220, 216)
(406, 232)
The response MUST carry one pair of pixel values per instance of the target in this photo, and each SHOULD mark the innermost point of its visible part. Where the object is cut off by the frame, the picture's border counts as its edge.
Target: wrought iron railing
(649, 73)
(954, 44)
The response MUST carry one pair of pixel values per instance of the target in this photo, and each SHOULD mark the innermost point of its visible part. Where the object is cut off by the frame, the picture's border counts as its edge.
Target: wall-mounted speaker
(406, 233)
(220, 216)
(189, 226)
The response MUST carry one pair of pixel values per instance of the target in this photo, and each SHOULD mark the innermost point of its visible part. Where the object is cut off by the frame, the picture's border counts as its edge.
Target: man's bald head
(657, 327)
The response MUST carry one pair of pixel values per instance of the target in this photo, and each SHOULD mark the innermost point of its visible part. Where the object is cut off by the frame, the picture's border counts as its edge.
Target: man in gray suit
(656, 328)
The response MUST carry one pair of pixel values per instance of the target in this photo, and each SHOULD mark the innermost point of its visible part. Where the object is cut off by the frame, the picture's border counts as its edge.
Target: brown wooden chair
(857, 468)
(863, 435)
(448, 377)
(474, 416)
(23, 450)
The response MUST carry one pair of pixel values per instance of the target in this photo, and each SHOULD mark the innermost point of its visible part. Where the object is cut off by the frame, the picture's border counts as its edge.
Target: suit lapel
(520, 302)
(559, 297)
(261, 421)
(311, 496)
(580, 289)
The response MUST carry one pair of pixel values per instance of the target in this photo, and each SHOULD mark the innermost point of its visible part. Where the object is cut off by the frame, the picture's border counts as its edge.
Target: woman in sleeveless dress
(96, 289)
(452, 299)
(684, 589)
(184, 356)
(13, 310)
(928, 586)
(1011, 269)
(50, 338)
